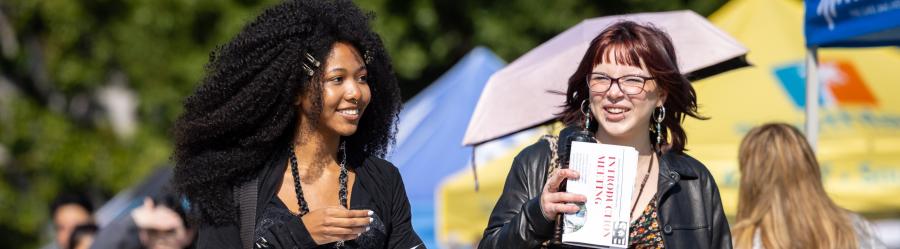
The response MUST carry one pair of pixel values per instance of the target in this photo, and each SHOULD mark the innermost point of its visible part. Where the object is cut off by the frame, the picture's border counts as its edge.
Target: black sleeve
(517, 220)
(216, 237)
(721, 233)
(402, 234)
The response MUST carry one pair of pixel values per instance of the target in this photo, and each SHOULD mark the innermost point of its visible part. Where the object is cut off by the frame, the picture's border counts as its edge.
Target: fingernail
(371, 212)
(371, 219)
(367, 229)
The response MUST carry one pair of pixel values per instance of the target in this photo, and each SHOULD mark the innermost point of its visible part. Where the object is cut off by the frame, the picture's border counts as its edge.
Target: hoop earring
(661, 115)
(587, 115)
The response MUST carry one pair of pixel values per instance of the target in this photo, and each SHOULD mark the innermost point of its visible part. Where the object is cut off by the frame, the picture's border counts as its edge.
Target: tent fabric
(859, 146)
(430, 127)
(831, 23)
(462, 212)
(433, 122)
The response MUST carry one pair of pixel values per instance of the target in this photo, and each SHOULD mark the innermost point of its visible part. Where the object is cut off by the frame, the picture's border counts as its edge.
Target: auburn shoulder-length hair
(632, 44)
(782, 197)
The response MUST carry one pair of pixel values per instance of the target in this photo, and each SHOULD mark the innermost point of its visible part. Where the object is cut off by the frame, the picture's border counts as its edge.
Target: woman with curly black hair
(279, 146)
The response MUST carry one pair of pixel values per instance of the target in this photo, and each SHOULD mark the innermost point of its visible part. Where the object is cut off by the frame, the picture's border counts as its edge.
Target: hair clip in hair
(312, 60)
(367, 56)
(310, 70)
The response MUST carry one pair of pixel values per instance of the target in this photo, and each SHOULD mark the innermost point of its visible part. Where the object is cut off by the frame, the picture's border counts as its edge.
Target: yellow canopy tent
(461, 212)
(859, 145)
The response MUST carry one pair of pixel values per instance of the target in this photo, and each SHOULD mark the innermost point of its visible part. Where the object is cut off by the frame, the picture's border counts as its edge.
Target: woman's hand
(336, 223)
(161, 227)
(554, 202)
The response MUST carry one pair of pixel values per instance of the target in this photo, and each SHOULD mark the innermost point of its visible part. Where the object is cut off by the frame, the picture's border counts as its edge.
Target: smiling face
(623, 116)
(66, 218)
(345, 92)
(637, 71)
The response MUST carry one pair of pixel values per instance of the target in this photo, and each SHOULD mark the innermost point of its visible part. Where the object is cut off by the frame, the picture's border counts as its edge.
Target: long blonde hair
(782, 197)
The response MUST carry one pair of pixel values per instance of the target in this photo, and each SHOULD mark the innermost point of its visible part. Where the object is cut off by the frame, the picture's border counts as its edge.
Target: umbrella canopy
(517, 97)
(431, 125)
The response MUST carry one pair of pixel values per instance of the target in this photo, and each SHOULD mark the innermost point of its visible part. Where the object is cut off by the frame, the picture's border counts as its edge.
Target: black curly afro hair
(244, 110)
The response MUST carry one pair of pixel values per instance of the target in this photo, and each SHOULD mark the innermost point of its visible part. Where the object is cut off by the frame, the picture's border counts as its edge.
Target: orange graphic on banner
(848, 88)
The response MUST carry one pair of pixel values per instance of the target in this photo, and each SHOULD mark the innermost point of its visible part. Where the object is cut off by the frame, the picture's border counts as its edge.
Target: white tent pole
(812, 97)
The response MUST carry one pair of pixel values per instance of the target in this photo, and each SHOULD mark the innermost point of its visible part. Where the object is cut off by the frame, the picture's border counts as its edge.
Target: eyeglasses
(628, 84)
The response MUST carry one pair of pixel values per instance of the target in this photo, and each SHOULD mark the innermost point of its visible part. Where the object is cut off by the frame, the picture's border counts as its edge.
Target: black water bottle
(578, 136)
(565, 148)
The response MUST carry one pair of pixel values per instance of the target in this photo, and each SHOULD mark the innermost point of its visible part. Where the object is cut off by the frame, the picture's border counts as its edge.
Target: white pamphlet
(607, 179)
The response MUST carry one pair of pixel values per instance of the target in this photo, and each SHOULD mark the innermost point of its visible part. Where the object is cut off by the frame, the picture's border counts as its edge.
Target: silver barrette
(310, 70)
(312, 60)
(367, 56)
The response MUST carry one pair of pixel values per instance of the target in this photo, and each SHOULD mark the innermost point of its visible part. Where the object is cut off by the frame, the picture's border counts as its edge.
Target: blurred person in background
(68, 211)
(163, 225)
(629, 86)
(160, 223)
(82, 236)
(280, 145)
(783, 203)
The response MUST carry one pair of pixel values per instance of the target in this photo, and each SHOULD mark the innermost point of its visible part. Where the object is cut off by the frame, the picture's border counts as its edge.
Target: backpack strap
(245, 196)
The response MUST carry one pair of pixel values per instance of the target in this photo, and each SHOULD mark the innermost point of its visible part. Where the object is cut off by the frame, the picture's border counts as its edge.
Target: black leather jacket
(690, 209)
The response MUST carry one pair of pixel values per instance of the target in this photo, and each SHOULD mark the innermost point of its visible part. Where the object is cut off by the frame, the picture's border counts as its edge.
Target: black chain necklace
(342, 179)
(646, 176)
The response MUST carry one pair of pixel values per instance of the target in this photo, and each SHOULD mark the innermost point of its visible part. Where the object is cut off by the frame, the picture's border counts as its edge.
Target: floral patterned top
(645, 231)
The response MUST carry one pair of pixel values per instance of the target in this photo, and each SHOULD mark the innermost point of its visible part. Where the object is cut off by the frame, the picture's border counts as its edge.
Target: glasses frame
(615, 81)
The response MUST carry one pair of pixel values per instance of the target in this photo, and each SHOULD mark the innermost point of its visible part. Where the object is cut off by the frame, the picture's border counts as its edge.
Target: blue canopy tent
(431, 125)
(838, 23)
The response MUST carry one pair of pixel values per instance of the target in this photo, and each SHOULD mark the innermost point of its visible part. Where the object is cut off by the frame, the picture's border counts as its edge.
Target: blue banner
(852, 23)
